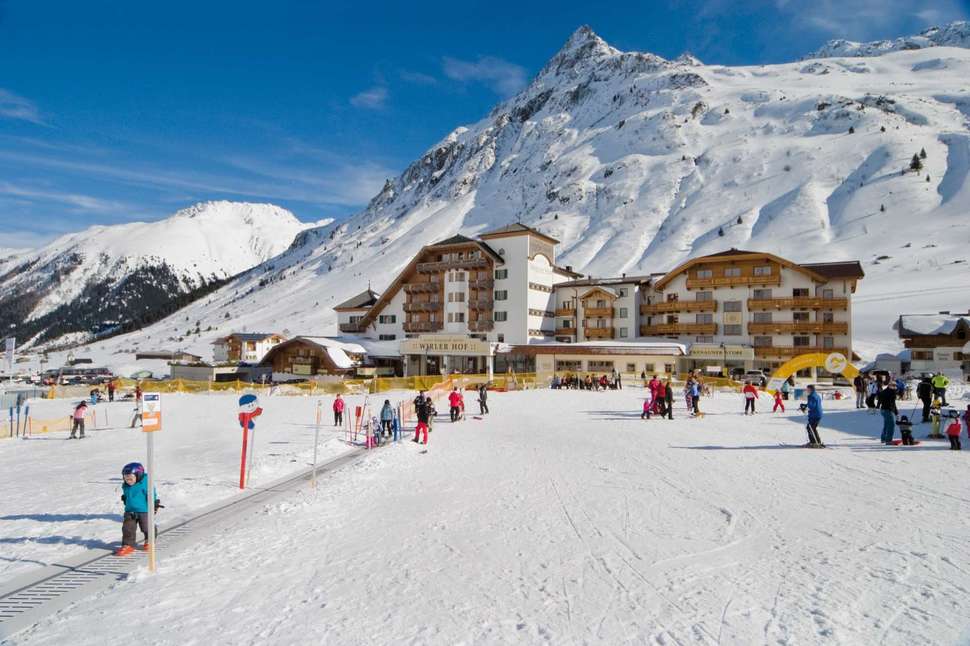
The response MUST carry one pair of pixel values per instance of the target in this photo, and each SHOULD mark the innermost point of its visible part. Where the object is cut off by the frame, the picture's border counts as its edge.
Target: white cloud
(869, 19)
(78, 201)
(372, 99)
(13, 106)
(418, 78)
(501, 76)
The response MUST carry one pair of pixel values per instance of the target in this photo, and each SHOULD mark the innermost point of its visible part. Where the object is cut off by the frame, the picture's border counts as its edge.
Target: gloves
(123, 498)
(158, 504)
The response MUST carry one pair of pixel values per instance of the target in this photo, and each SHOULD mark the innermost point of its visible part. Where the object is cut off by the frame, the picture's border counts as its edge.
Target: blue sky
(111, 112)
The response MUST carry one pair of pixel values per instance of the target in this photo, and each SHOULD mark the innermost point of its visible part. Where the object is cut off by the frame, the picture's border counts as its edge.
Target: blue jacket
(814, 407)
(387, 413)
(136, 495)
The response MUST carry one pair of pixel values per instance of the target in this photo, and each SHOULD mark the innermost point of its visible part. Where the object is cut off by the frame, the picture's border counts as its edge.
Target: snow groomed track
(29, 598)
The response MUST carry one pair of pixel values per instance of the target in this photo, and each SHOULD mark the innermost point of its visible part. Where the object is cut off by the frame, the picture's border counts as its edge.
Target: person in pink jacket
(338, 411)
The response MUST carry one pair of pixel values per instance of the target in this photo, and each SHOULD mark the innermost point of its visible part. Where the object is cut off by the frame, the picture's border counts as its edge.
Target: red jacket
(749, 389)
(953, 430)
(338, 405)
(454, 398)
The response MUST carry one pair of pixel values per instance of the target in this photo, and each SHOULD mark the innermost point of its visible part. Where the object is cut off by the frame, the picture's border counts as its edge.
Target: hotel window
(762, 342)
(459, 297)
(355, 318)
(451, 317)
(828, 341)
(828, 317)
(599, 366)
(500, 337)
(386, 337)
(649, 367)
(732, 306)
(762, 317)
(459, 317)
(669, 368)
(501, 273)
(671, 319)
(762, 271)
(732, 330)
(387, 319)
(623, 313)
(601, 324)
(460, 276)
(704, 318)
(762, 294)
(673, 298)
(563, 365)
(732, 272)
(622, 332)
(501, 316)
(704, 339)
(501, 295)
(565, 324)
(799, 292)
(631, 367)
(828, 293)
(705, 273)
(800, 317)
(704, 296)
(801, 341)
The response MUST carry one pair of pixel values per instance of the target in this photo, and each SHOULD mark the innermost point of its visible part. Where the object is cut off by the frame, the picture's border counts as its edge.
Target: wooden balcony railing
(350, 327)
(420, 288)
(678, 306)
(445, 265)
(799, 327)
(481, 304)
(566, 331)
(792, 351)
(733, 281)
(678, 328)
(423, 326)
(481, 325)
(598, 332)
(606, 312)
(565, 311)
(798, 303)
(422, 307)
(481, 283)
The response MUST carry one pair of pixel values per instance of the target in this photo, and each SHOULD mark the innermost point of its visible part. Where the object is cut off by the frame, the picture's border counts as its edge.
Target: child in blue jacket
(134, 493)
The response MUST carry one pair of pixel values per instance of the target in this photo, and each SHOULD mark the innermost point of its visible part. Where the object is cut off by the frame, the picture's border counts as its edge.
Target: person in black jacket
(422, 409)
(887, 404)
(483, 398)
(859, 383)
(924, 391)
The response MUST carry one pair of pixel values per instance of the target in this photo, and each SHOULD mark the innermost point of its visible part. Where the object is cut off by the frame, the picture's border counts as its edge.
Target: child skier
(750, 394)
(778, 402)
(953, 433)
(906, 430)
(648, 403)
(387, 418)
(134, 493)
(78, 420)
(338, 410)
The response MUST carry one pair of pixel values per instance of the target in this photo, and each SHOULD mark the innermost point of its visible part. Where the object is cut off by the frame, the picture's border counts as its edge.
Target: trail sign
(151, 412)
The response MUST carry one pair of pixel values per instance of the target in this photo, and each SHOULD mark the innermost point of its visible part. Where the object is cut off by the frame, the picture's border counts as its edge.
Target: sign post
(151, 422)
(248, 409)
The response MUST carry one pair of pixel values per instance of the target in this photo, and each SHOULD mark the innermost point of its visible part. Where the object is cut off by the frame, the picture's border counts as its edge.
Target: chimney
(624, 274)
(569, 267)
(947, 312)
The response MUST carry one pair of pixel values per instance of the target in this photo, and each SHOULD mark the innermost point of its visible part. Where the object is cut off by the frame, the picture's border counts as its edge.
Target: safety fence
(24, 425)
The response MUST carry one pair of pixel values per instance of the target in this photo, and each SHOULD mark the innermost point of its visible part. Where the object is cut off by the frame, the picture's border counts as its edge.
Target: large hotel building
(500, 302)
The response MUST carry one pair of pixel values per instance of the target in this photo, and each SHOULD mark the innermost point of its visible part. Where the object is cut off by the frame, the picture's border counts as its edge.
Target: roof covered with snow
(929, 324)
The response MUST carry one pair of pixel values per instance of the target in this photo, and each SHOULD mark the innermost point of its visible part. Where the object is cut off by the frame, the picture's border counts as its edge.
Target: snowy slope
(203, 244)
(956, 34)
(635, 163)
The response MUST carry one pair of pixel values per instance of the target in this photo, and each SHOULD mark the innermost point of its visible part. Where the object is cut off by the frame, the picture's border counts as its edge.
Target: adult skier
(669, 398)
(750, 395)
(338, 410)
(454, 401)
(483, 398)
(940, 382)
(924, 391)
(814, 408)
(887, 406)
(422, 408)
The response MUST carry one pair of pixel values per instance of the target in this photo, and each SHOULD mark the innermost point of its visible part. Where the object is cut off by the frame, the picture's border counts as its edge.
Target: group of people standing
(659, 399)
(576, 382)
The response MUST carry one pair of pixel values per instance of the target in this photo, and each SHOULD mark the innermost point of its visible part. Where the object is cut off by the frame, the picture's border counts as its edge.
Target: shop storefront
(710, 357)
(440, 354)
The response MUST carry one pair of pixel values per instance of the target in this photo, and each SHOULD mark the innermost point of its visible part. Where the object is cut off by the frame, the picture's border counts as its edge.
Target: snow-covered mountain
(955, 34)
(107, 277)
(636, 163)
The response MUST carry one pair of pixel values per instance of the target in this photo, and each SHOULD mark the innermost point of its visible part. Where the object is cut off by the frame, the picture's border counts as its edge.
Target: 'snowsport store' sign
(443, 344)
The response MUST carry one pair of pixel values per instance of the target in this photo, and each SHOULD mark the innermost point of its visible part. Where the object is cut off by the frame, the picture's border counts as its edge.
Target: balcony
(422, 307)
(598, 332)
(606, 312)
(481, 304)
(423, 326)
(678, 328)
(350, 327)
(762, 351)
(421, 288)
(566, 331)
(798, 303)
(799, 327)
(445, 265)
(481, 283)
(565, 311)
(678, 306)
(481, 325)
(733, 281)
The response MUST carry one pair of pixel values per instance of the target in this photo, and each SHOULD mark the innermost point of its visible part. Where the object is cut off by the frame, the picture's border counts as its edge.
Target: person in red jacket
(454, 401)
(778, 402)
(750, 394)
(338, 411)
(953, 434)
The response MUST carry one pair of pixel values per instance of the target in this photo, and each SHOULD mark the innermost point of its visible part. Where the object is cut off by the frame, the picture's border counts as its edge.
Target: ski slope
(563, 518)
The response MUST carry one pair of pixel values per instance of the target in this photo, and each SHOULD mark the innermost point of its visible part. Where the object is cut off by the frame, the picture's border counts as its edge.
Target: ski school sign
(834, 362)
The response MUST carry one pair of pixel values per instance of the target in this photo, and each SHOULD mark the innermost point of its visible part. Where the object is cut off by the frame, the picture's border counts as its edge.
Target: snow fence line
(29, 598)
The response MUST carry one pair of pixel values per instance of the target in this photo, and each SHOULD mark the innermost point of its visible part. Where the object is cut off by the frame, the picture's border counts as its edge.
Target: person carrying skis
(422, 409)
(483, 398)
(454, 401)
(134, 494)
(750, 395)
(887, 404)
(940, 382)
(387, 418)
(338, 410)
(778, 402)
(859, 385)
(924, 391)
(77, 419)
(814, 408)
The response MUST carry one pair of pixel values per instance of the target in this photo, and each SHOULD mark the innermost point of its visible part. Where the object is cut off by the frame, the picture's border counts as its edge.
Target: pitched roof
(847, 269)
(249, 336)
(617, 280)
(362, 300)
(460, 239)
(516, 227)
(700, 260)
(929, 324)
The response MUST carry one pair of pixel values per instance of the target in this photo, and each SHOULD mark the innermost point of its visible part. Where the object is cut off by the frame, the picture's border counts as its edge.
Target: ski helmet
(135, 468)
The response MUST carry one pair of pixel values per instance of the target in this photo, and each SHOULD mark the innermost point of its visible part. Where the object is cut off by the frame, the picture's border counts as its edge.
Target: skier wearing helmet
(134, 493)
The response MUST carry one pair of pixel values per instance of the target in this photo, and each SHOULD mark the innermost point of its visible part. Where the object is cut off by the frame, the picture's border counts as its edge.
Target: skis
(900, 443)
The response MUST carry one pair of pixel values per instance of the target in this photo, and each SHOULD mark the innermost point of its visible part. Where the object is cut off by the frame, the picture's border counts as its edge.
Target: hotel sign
(702, 351)
(446, 344)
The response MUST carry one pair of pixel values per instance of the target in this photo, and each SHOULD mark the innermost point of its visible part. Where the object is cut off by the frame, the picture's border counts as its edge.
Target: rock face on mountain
(108, 278)
(635, 163)
(955, 34)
